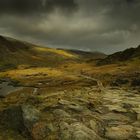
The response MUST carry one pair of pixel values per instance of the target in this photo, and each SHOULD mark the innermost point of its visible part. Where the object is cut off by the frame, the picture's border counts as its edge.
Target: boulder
(30, 116)
(11, 118)
(20, 118)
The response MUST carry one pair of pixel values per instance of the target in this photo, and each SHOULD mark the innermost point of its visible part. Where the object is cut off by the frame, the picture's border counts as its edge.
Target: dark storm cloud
(35, 6)
(100, 25)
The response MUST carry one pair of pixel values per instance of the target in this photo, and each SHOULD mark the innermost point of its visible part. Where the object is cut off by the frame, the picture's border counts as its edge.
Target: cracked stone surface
(80, 114)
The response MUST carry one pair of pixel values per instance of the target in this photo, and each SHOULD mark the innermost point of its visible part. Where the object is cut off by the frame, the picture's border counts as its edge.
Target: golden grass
(17, 73)
(56, 51)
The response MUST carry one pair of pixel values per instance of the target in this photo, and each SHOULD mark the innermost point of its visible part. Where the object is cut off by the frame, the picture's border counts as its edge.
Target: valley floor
(56, 94)
(90, 112)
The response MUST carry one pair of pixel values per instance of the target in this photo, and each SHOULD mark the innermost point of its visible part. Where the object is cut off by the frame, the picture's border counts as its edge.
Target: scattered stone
(76, 117)
(122, 132)
(116, 108)
(41, 130)
(115, 117)
(77, 131)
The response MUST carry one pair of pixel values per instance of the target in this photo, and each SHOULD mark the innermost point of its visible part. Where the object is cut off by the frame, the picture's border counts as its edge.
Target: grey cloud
(96, 25)
(35, 6)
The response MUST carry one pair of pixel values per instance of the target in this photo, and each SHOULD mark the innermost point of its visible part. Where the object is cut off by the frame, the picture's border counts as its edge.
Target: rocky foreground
(89, 113)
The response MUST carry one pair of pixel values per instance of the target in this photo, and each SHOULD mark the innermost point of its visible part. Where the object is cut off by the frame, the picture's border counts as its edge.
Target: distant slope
(126, 55)
(14, 53)
(87, 55)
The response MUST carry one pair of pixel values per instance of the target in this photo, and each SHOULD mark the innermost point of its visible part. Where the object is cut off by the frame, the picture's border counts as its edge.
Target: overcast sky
(91, 25)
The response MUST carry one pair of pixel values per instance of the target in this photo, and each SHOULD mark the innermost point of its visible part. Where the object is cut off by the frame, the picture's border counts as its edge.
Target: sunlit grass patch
(32, 72)
(56, 51)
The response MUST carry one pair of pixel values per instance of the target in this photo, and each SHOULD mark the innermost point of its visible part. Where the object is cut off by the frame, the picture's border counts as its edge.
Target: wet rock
(30, 116)
(77, 131)
(122, 132)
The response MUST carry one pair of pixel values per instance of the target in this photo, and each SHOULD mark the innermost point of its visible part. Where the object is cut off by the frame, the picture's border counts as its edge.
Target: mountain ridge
(87, 54)
(14, 53)
(122, 56)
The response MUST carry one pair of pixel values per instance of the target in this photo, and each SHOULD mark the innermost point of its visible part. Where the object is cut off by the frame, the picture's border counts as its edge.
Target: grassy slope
(55, 70)
(87, 55)
(34, 64)
(31, 64)
(14, 53)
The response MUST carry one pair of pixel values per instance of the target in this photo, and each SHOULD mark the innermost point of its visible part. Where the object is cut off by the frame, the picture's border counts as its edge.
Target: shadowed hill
(14, 53)
(126, 55)
(85, 54)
